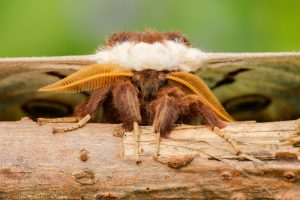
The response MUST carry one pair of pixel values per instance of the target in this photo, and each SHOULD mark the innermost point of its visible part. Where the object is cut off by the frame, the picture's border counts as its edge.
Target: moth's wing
(255, 86)
(20, 79)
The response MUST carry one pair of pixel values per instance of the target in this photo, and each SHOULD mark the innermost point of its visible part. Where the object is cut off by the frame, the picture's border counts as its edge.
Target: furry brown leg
(192, 104)
(157, 147)
(166, 109)
(125, 100)
(83, 112)
(42, 121)
(79, 124)
(91, 104)
(137, 142)
(228, 139)
(166, 112)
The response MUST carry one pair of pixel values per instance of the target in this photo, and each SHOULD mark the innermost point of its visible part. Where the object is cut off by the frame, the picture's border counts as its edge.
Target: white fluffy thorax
(166, 55)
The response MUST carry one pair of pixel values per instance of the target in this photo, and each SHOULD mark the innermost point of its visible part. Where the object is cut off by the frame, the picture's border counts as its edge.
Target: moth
(251, 86)
(141, 70)
(144, 79)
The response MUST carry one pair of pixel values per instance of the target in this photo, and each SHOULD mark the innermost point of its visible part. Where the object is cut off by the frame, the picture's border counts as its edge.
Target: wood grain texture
(91, 163)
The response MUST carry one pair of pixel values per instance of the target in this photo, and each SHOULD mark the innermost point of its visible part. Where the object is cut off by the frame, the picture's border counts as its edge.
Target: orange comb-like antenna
(90, 78)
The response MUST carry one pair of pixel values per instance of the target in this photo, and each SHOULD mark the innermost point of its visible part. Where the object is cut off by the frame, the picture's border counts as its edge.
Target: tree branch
(91, 163)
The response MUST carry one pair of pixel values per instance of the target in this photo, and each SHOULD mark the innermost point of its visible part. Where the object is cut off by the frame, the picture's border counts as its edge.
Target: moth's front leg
(83, 112)
(166, 111)
(193, 104)
(92, 103)
(126, 102)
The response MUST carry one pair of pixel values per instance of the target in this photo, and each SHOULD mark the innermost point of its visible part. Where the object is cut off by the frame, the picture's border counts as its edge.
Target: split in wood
(295, 140)
(286, 156)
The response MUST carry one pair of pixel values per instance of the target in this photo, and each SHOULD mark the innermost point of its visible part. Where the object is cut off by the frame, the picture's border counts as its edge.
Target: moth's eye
(46, 108)
(139, 85)
(162, 83)
(162, 80)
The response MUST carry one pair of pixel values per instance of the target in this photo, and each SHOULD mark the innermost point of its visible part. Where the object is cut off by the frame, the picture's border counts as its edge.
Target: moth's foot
(41, 121)
(78, 125)
(234, 145)
(158, 136)
(224, 135)
(136, 131)
(157, 145)
(119, 131)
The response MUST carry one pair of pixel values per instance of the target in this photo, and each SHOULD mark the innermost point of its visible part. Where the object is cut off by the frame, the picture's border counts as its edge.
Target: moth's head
(148, 82)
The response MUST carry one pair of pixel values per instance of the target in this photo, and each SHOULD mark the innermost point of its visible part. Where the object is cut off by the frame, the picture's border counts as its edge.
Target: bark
(194, 163)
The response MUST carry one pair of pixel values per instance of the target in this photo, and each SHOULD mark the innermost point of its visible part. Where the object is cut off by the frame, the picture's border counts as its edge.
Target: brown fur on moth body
(147, 96)
(149, 36)
(149, 99)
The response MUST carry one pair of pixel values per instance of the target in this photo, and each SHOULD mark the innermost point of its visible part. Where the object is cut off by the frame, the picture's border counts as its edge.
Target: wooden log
(194, 163)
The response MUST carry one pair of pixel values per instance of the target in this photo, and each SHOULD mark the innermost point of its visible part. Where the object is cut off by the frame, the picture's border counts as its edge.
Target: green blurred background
(72, 27)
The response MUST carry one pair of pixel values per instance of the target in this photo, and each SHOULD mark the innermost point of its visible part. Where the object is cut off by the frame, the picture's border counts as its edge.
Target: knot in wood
(84, 155)
(86, 177)
(226, 176)
(179, 162)
(289, 176)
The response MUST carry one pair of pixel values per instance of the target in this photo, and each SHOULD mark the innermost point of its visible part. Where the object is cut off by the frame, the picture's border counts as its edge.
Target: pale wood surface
(91, 163)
